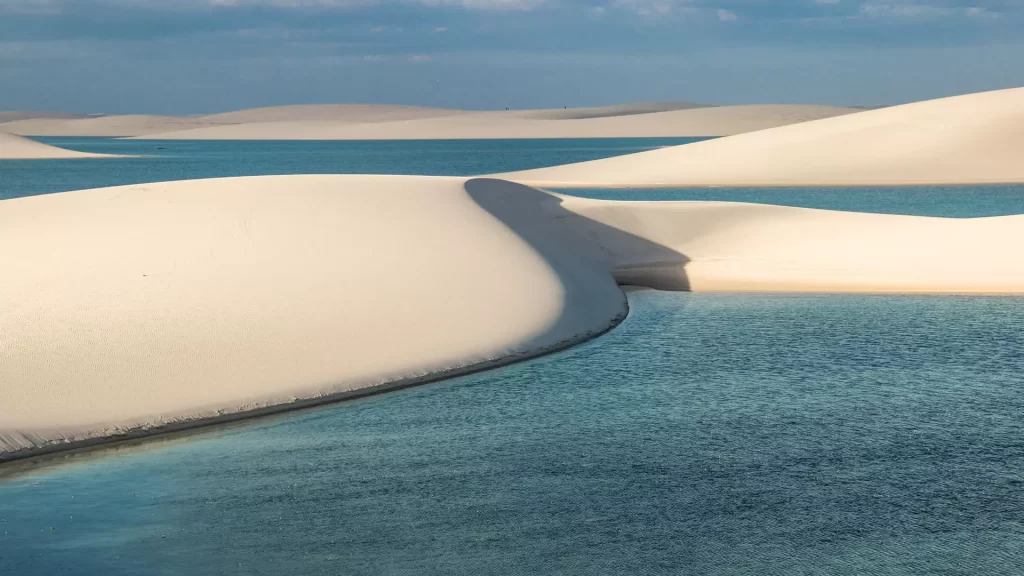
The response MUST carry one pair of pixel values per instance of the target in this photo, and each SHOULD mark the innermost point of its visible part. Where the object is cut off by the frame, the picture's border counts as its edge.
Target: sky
(202, 56)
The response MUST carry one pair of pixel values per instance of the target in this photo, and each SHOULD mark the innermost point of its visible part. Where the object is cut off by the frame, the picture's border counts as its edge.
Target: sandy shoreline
(152, 308)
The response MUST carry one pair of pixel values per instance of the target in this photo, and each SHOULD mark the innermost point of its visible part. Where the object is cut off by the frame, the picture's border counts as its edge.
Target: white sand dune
(18, 148)
(109, 126)
(12, 115)
(726, 246)
(610, 122)
(125, 309)
(328, 113)
(977, 138)
(145, 305)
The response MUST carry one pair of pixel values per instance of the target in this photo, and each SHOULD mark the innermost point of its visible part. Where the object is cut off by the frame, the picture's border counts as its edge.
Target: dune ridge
(970, 139)
(14, 147)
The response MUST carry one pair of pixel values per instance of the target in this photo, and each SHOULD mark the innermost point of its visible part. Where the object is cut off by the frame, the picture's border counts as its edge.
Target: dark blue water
(945, 201)
(181, 160)
(709, 434)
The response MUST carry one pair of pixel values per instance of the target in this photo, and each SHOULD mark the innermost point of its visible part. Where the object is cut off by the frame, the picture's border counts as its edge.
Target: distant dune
(129, 125)
(977, 138)
(12, 115)
(18, 148)
(612, 122)
(376, 121)
(327, 113)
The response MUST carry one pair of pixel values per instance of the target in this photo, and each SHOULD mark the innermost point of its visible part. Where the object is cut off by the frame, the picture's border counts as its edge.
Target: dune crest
(14, 147)
(976, 138)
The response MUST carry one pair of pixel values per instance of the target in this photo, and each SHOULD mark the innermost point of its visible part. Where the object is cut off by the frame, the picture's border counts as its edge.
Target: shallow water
(709, 434)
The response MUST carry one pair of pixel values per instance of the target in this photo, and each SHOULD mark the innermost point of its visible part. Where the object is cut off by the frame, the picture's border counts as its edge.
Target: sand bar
(18, 148)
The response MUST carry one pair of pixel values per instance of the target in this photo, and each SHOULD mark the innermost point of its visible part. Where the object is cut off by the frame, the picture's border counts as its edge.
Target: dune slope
(128, 308)
(18, 148)
(977, 138)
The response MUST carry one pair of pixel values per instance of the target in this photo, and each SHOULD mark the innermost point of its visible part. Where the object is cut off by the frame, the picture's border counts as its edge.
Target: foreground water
(709, 434)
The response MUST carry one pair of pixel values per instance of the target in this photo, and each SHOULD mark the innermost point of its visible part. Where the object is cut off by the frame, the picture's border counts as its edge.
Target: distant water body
(179, 160)
(709, 434)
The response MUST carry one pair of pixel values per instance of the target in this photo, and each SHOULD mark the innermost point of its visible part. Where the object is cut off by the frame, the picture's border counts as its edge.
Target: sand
(135, 307)
(104, 126)
(609, 122)
(18, 148)
(977, 138)
(728, 246)
(12, 115)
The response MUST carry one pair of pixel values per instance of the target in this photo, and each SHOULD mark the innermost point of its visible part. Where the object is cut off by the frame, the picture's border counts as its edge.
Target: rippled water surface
(709, 434)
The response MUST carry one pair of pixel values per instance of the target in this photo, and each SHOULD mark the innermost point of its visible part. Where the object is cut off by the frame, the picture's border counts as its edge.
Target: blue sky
(192, 56)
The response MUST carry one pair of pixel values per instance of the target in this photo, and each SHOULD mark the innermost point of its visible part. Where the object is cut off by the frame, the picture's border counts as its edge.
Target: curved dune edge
(146, 309)
(972, 139)
(14, 147)
(142, 309)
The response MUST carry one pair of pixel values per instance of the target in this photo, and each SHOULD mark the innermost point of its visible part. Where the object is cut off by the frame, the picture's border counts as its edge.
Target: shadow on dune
(539, 218)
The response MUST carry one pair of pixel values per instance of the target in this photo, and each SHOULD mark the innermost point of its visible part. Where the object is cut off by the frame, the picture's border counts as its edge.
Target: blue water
(944, 201)
(180, 160)
(709, 434)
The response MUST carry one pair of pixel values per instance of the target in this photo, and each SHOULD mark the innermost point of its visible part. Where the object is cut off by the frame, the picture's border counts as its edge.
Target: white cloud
(726, 15)
(897, 10)
(826, 1)
(655, 7)
(440, 29)
(420, 58)
(981, 13)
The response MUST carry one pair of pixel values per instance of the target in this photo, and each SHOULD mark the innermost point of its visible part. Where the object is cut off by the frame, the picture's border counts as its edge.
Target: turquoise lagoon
(708, 434)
